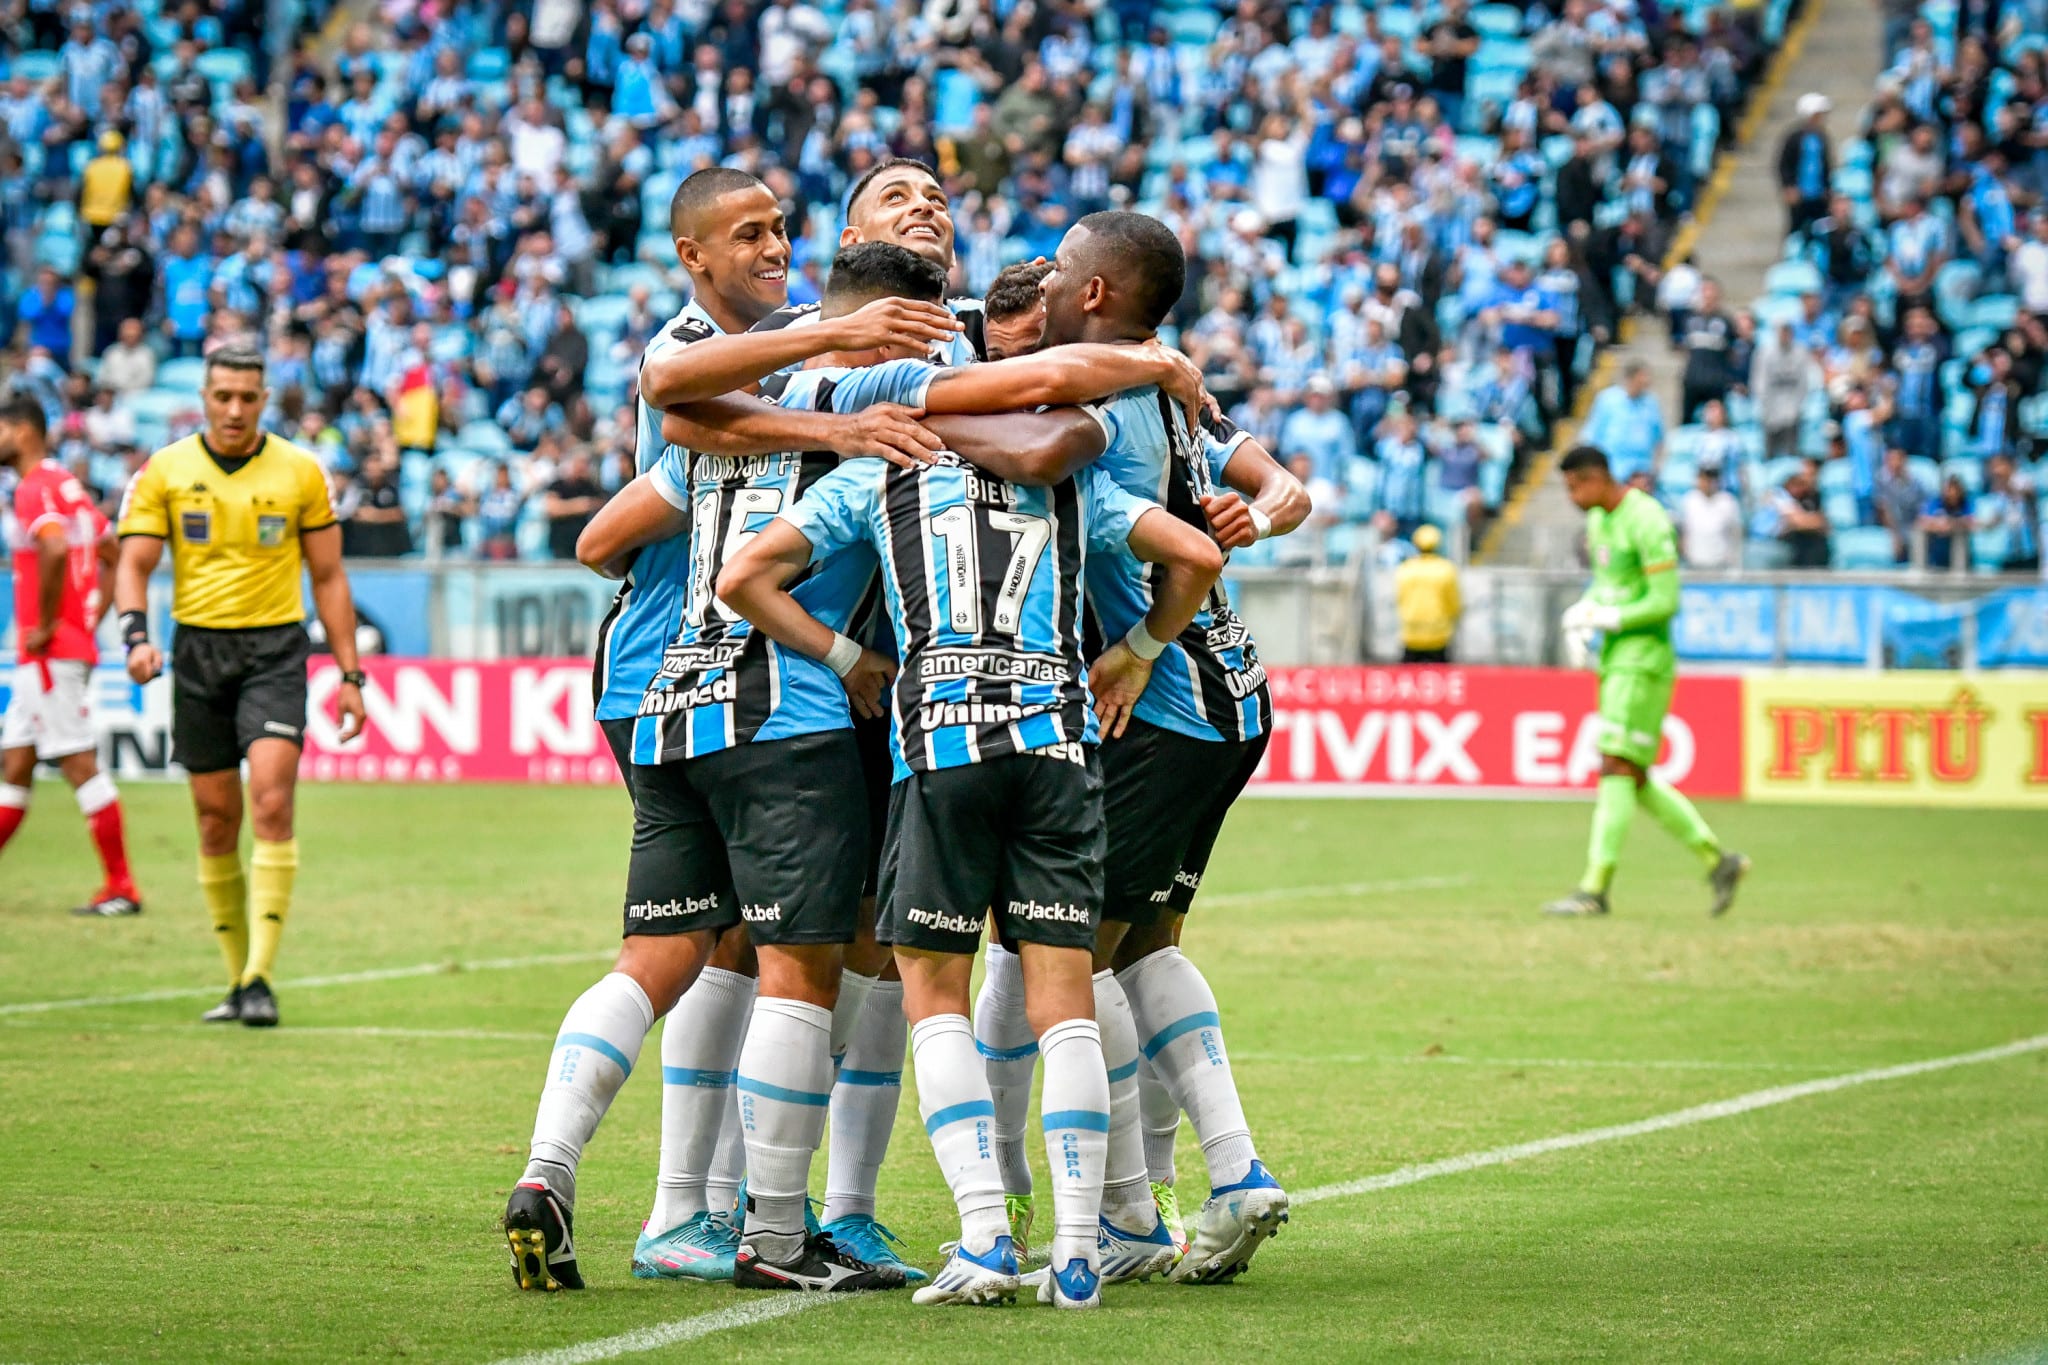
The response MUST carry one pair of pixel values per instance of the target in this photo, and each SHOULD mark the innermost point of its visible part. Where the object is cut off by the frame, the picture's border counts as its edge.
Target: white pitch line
(1679, 1118)
(746, 1315)
(677, 1332)
(343, 1030)
(489, 964)
(502, 964)
(1567, 1063)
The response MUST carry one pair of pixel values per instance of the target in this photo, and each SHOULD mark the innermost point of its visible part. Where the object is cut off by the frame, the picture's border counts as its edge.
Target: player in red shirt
(62, 545)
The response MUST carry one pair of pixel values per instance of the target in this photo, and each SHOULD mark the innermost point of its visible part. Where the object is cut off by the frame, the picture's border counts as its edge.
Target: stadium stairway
(1834, 49)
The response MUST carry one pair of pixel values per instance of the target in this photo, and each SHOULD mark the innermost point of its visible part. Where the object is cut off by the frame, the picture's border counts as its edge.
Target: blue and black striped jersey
(720, 683)
(643, 616)
(982, 580)
(966, 348)
(1209, 684)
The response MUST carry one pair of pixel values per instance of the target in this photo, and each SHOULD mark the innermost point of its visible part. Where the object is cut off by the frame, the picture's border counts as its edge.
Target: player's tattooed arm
(1277, 501)
(636, 518)
(753, 584)
(722, 364)
(1190, 563)
(738, 427)
(1036, 448)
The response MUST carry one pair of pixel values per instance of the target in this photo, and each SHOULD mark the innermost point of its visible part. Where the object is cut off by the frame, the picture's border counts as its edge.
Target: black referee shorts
(1165, 797)
(230, 688)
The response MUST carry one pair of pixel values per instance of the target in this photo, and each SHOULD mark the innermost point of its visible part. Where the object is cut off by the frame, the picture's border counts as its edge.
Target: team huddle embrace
(920, 632)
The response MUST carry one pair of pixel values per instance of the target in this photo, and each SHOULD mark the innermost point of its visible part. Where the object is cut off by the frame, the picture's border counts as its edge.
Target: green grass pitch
(330, 1191)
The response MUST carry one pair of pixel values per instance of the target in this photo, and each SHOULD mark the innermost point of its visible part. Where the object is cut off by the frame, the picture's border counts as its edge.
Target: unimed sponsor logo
(673, 909)
(1055, 912)
(943, 922)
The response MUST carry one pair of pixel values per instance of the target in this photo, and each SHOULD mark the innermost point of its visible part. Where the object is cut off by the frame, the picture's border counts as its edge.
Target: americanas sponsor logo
(675, 909)
(943, 922)
(1057, 912)
(762, 914)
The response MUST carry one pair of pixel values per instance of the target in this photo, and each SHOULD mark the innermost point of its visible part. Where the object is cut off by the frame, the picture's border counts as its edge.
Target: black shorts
(877, 771)
(1165, 796)
(772, 833)
(1020, 836)
(230, 688)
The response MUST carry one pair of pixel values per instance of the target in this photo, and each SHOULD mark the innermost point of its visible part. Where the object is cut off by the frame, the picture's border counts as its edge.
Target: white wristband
(1142, 644)
(1262, 525)
(843, 655)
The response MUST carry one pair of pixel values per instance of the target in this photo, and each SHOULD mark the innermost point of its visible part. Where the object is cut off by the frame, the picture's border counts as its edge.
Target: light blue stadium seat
(1403, 23)
(1988, 549)
(1863, 547)
(1792, 278)
(223, 65)
(489, 64)
(1675, 477)
(1706, 138)
(451, 343)
(36, 67)
(1995, 311)
(1194, 27)
(1836, 475)
(1493, 482)
(1501, 54)
(159, 404)
(1361, 486)
(1765, 555)
(1493, 21)
(1926, 472)
(1778, 470)
(955, 97)
(1840, 506)
(484, 438)
(1854, 181)
(182, 376)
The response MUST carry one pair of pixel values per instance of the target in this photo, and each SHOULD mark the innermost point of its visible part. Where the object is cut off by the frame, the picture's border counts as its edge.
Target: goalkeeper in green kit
(1633, 598)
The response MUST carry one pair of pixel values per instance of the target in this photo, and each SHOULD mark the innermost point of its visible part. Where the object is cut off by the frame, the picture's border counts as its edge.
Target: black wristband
(134, 629)
(355, 677)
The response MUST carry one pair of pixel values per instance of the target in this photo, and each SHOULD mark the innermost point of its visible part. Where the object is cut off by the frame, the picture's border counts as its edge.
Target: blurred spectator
(1710, 524)
(1806, 164)
(46, 313)
(497, 515)
(1709, 334)
(1402, 499)
(1899, 501)
(1801, 525)
(2004, 514)
(372, 519)
(1458, 456)
(572, 499)
(1427, 601)
(1946, 522)
(1780, 377)
(1626, 423)
(1318, 431)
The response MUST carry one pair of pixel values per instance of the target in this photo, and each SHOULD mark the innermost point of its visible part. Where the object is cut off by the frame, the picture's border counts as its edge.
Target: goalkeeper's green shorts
(1632, 709)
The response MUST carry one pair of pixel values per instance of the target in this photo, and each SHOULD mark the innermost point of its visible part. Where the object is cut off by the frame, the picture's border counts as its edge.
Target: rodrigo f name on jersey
(982, 580)
(1209, 684)
(969, 346)
(642, 618)
(720, 683)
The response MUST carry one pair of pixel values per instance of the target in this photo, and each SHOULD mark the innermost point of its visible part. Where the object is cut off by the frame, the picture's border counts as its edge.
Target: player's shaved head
(880, 270)
(697, 199)
(1115, 278)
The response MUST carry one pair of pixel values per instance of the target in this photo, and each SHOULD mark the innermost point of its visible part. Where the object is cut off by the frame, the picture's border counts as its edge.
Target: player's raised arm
(651, 508)
(722, 364)
(755, 578)
(1278, 502)
(1190, 563)
(1078, 373)
(1038, 448)
(739, 426)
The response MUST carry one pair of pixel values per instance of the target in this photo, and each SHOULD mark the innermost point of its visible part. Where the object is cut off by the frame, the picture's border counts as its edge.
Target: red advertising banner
(1336, 731)
(1492, 731)
(440, 720)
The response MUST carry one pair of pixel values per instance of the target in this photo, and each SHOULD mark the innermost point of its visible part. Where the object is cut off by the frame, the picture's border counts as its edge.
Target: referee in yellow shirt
(242, 510)
(1427, 601)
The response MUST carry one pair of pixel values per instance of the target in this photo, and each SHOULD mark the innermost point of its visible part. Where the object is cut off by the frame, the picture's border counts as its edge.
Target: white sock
(854, 990)
(1009, 1054)
(700, 1045)
(594, 1052)
(952, 1094)
(785, 1082)
(1126, 1187)
(1161, 1116)
(864, 1099)
(1076, 1121)
(728, 1158)
(1181, 1034)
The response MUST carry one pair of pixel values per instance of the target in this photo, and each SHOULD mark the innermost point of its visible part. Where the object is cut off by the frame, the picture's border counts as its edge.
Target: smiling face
(739, 255)
(905, 206)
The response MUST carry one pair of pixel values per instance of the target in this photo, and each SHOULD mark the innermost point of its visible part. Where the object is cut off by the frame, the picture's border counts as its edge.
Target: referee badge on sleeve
(196, 527)
(270, 531)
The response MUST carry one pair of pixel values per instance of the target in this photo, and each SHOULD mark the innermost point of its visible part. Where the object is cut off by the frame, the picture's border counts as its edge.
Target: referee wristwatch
(355, 677)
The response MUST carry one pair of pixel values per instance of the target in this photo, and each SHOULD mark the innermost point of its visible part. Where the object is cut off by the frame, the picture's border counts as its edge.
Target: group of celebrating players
(921, 629)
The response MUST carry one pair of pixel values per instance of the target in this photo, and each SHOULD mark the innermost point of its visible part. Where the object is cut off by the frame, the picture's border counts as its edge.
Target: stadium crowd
(1883, 403)
(1407, 232)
